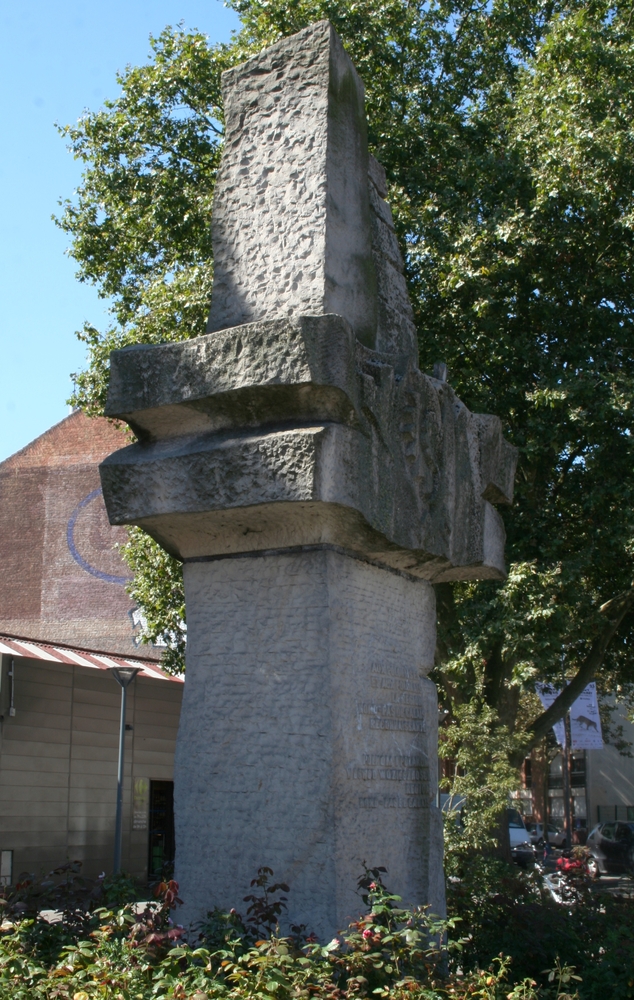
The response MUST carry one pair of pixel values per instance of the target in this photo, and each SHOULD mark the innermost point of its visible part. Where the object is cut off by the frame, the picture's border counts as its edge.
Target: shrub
(129, 951)
(500, 908)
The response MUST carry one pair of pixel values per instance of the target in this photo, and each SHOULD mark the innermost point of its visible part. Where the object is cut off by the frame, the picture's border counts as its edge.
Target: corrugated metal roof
(12, 646)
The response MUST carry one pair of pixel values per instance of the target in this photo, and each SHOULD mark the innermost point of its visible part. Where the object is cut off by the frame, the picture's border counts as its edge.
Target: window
(528, 773)
(6, 867)
(578, 770)
(515, 820)
(607, 831)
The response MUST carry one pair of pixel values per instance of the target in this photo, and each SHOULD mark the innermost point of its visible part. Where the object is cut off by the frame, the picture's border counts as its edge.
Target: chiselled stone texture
(396, 331)
(310, 763)
(291, 219)
(287, 433)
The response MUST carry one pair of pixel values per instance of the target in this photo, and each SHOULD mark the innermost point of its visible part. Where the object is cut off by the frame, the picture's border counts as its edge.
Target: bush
(501, 908)
(130, 951)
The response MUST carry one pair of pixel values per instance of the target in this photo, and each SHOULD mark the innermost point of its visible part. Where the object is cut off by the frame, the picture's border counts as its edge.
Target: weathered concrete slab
(254, 375)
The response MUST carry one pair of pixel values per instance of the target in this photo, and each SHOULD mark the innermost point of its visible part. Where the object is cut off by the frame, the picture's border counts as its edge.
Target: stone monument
(314, 483)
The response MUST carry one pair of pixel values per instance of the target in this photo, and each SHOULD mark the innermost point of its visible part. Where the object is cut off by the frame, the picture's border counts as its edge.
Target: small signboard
(141, 801)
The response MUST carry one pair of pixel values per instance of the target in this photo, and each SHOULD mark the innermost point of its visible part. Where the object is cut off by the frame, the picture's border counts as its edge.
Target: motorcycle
(571, 869)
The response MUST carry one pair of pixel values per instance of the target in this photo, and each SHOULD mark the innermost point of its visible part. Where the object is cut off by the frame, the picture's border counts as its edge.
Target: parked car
(555, 836)
(518, 834)
(521, 847)
(611, 847)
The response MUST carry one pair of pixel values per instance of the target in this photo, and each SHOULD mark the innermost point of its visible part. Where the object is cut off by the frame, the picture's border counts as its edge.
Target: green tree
(506, 133)
(539, 298)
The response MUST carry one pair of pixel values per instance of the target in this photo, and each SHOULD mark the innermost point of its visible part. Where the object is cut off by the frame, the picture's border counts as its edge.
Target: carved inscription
(398, 708)
(404, 711)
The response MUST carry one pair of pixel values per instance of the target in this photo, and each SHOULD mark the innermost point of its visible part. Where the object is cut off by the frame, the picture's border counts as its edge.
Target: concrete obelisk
(314, 482)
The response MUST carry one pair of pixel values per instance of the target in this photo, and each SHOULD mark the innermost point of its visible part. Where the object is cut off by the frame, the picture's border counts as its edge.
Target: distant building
(65, 618)
(601, 784)
(62, 578)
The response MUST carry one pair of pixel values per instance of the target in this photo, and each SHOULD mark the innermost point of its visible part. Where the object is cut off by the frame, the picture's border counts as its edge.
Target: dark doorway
(161, 829)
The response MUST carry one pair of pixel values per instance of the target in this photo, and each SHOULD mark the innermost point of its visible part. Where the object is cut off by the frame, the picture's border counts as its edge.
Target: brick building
(65, 620)
(62, 578)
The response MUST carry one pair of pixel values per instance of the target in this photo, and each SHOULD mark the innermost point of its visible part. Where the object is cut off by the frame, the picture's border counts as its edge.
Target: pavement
(616, 885)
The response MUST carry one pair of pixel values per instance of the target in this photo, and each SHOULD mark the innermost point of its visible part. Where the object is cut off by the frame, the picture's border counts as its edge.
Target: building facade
(59, 739)
(65, 622)
(601, 782)
(62, 578)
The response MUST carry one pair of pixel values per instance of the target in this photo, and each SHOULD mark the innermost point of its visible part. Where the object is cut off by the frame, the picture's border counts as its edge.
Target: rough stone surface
(390, 463)
(291, 221)
(307, 763)
(313, 480)
(396, 330)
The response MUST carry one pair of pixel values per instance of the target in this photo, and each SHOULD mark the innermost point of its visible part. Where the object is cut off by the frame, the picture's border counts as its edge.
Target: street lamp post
(123, 676)
(565, 761)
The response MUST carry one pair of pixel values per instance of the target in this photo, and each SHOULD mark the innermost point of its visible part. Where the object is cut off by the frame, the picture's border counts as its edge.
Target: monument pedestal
(308, 734)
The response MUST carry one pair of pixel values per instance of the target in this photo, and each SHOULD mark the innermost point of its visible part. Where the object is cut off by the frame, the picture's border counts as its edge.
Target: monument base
(308, 736)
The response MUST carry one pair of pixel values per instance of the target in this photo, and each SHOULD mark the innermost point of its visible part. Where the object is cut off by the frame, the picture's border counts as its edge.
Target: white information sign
(585, 722)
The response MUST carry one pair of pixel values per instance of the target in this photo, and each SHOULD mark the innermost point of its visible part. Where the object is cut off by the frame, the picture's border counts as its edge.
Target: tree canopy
(506, 131)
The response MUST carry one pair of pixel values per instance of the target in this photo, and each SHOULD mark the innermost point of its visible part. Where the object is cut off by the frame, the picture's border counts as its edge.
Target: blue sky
(56, 59)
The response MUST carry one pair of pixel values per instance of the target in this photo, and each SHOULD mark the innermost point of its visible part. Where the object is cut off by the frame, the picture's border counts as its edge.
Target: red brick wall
(61, 579)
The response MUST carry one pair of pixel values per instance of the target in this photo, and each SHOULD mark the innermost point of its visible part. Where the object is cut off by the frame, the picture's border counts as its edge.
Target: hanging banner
(585, 721)
(547, 695)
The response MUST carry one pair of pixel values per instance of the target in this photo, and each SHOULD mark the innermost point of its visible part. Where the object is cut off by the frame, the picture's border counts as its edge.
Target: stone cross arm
(289, 433)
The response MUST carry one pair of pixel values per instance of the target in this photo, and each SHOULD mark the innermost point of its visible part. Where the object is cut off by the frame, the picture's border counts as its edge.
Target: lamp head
(124, 675)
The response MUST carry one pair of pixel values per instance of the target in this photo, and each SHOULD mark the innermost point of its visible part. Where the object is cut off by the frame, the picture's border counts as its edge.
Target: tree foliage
(506, 134)
(505, 939)
(482, 750)
(539, 290)
(157, 589)
(139, 224)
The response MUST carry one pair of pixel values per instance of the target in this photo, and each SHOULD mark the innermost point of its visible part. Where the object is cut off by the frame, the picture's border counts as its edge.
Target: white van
(518, 834)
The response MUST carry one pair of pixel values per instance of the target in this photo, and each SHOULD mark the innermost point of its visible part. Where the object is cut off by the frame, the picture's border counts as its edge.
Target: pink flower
(367, 934)
(373, 885)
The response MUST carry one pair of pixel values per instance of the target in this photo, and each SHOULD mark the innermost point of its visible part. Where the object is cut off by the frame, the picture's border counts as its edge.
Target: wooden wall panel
(58, 763)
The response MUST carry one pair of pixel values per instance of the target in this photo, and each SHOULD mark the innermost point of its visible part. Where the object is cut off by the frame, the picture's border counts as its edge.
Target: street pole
(565, 763)
(546, 776)
(566, 780)
(123, 676)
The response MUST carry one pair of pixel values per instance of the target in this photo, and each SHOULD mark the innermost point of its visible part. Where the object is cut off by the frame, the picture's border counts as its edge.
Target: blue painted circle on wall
(79, 559)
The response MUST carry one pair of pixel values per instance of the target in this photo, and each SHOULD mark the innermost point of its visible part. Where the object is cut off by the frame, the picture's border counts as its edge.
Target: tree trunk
(503, 837)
